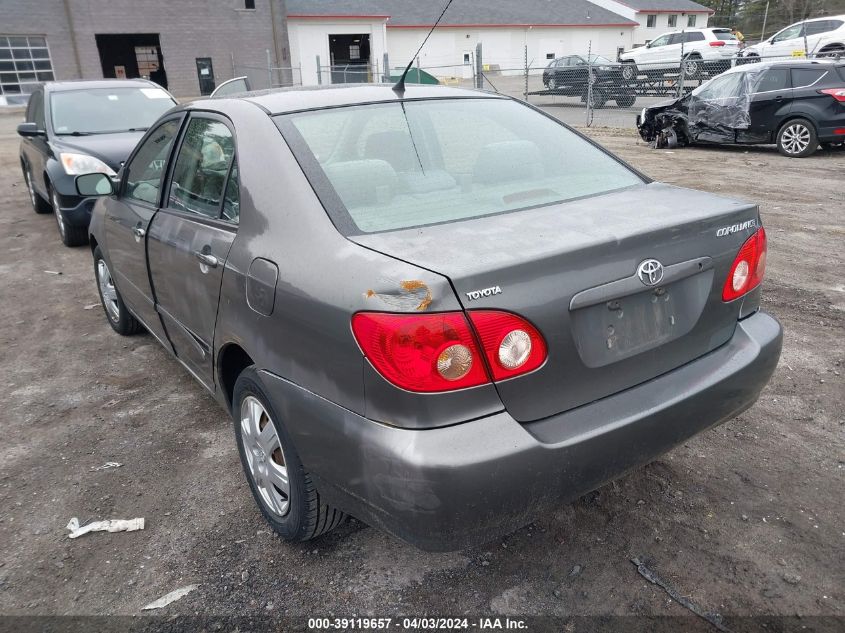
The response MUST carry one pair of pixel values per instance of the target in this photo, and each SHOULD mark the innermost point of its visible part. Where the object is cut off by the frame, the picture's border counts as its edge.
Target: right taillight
(748, 268)
(836, 93)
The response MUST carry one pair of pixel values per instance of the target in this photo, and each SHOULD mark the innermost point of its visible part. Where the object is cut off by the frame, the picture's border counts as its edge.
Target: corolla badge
(472, 295)
(736, 228)
(650, 272)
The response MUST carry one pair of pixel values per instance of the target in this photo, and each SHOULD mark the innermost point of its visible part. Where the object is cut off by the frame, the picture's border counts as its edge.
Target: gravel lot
(745, 520)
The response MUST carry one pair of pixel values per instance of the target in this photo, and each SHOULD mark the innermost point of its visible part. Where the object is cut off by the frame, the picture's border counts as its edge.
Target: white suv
(702, 50)
(824, 37)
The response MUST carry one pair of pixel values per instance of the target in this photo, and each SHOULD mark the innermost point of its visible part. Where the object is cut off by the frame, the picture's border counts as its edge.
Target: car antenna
(399, 86)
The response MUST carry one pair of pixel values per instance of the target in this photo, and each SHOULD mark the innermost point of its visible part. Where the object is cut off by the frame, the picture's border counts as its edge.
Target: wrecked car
(438, 310)
(794, 104)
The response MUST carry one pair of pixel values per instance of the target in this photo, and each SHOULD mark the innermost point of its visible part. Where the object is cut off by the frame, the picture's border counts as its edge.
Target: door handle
(207, 259)
(139, 232)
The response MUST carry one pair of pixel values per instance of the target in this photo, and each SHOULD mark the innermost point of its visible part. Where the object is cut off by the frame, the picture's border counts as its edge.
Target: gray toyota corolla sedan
(440, 311)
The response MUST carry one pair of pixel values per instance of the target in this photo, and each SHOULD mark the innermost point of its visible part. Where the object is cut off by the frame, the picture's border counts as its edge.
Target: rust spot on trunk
(413, 295)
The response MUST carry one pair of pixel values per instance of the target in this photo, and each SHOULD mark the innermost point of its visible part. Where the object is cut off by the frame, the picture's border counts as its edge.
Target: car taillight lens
(511, 344)
(748, 268)
(438, 352)
(717, 43)
(836, 93)
(421, 352)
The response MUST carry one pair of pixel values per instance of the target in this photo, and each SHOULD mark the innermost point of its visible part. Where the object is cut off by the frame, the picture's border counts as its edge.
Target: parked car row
(441, 311)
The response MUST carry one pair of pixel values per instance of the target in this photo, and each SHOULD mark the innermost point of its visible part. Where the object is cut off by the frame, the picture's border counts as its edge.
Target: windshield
(104, 110)
(400, 165)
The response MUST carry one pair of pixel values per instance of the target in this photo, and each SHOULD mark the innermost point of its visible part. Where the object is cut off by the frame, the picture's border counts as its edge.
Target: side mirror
(98, 184)
(29, 129)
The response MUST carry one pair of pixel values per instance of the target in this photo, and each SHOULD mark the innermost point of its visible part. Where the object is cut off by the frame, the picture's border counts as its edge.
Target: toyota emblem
(650, 272)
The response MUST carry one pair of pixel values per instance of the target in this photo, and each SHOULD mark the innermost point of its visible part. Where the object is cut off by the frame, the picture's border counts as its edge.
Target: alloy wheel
(58, 212)
(107, 291)
(795, 138)
(552, 83)
(691, 67)
(30, 188)
(264, 456)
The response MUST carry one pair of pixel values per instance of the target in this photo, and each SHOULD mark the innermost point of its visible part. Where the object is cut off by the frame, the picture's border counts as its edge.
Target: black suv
(81, 127)
(569, 76)
(796, 104)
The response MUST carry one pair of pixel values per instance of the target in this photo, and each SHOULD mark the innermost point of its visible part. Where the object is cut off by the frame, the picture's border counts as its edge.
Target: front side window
(202, 166)
(105, 110)
(663, 40)
(727, 86)
(650, 21)
(691, 20)
(789, 33)
(146, 169)
(394, 166)
(773, 79)
(35, 109)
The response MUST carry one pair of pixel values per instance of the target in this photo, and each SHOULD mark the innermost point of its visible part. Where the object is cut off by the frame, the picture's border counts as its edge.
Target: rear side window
(802, 77)
(399, 165)
(202, 166)
(695, 36)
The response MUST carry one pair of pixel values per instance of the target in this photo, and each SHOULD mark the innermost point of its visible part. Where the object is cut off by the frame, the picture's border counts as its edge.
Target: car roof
(283, 100)
(824, 17)
(82, 84)
(787, 63)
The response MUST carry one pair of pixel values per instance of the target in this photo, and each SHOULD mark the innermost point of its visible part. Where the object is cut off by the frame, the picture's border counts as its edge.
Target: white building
(351, 37)
(654, 17)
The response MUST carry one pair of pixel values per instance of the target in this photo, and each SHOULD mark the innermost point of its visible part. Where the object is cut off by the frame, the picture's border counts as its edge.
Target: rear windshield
(103, 110)
(405, 164)
(724, 35)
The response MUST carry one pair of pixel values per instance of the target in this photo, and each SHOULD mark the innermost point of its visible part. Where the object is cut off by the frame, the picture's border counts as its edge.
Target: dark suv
(80, 127)
(796, 104)
(569, 76)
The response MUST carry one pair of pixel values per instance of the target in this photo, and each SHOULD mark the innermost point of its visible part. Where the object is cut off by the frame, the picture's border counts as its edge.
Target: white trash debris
(107, 466)
(173, 596)
(91, 306)
(113, 525)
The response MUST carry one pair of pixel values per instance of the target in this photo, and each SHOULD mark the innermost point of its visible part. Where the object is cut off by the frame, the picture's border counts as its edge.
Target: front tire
(626, 99)
(629, 71)
(797, 138)
(71, 235)
(39, 204)
(119, 317)
(282, 488)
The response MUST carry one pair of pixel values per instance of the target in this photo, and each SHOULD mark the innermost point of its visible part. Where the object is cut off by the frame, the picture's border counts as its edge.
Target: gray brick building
(185, 45)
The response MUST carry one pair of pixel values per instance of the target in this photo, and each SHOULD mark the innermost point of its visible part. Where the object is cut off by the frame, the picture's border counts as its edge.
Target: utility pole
(765, 19)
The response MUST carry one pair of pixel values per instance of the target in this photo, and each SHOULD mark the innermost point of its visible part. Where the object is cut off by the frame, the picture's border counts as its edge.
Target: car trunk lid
(571, 269)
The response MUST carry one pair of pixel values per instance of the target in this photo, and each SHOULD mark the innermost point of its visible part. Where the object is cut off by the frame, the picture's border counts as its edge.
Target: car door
(35, 148)
(787, 43)
(655, 56)
(770, 102)
(128, 216)
(820, 33)
(190, 237)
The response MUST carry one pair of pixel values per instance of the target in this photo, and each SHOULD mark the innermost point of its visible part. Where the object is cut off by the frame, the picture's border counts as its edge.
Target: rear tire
(797, 138)
(118, 315)
(626, 100)
(39, 204)
(295, 511)
(71, 235)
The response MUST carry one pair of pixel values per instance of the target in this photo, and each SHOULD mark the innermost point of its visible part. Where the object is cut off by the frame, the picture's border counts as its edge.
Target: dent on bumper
(447, 488)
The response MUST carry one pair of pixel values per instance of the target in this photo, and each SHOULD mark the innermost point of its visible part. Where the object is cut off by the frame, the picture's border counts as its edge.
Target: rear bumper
(452, 487)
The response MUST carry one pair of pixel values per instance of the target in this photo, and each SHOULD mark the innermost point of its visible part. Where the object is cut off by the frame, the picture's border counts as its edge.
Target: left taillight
(748, 268)
(717, 43)
(440, 352)
(421, 352)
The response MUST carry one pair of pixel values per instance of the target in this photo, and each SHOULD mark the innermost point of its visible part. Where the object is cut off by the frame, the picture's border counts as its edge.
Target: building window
(650, 21)
(249, 4)
(673, 21)
(24, 62)
(550, 55)
(691, 20)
